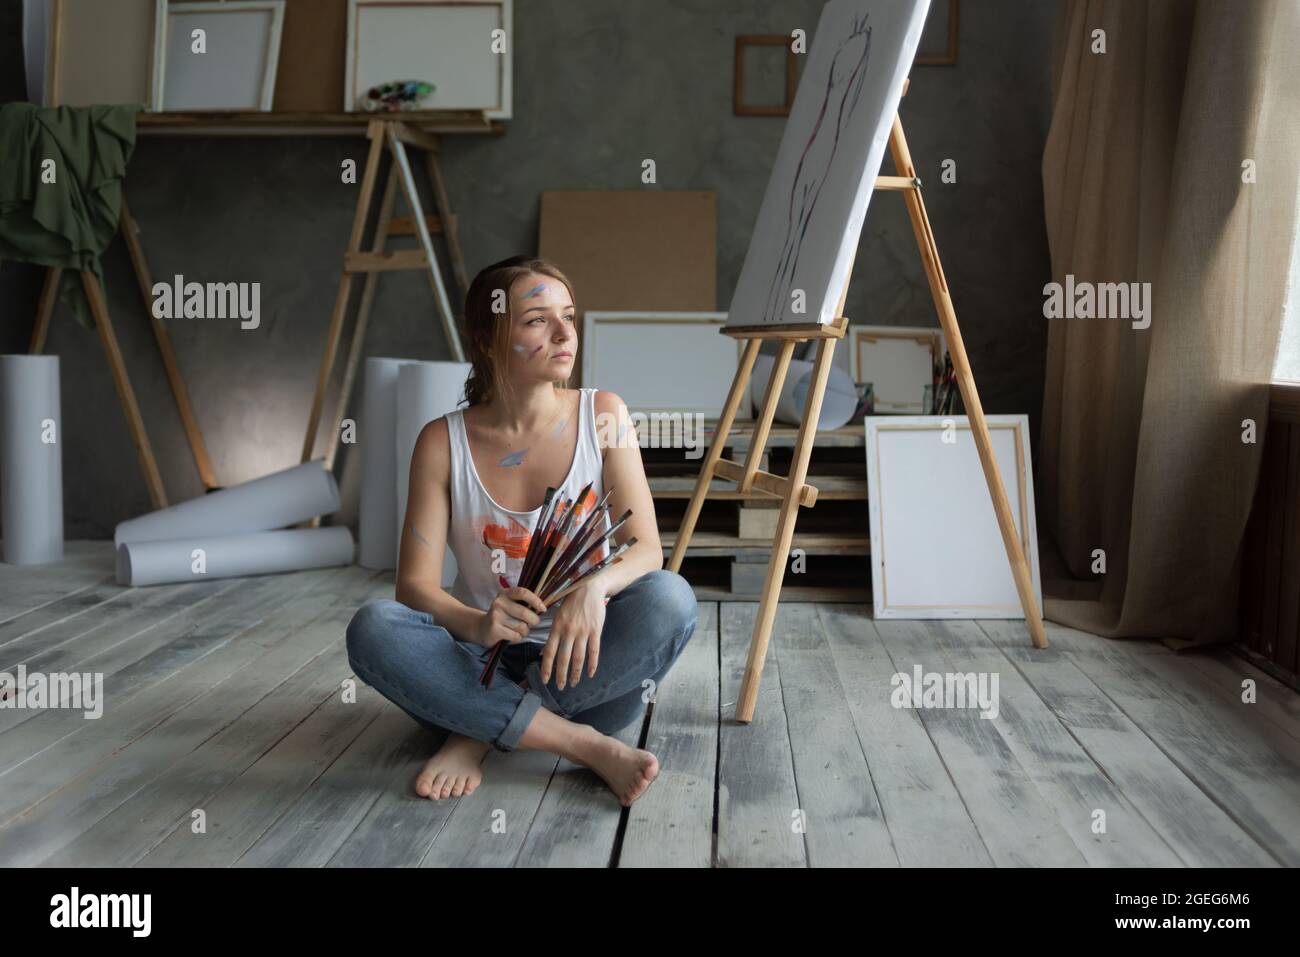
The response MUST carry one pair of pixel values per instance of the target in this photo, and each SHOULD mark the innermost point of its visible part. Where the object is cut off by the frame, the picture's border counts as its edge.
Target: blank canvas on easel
(816, 200)
(447, 44)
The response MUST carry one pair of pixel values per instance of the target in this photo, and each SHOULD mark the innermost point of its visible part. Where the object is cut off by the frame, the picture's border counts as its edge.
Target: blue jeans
(433, 676)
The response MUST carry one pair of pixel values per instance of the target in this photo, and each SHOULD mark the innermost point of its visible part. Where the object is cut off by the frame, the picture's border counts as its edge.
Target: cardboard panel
(312, 64)
(645, 250)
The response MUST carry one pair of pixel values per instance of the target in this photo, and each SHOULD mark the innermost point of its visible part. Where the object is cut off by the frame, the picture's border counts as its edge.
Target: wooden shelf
(828, 487)
(783, 436)
(789, 593)
(721, 545)
(254, 123)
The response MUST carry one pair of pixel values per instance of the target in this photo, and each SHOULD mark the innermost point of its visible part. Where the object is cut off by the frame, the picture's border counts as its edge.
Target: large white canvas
(936, 551)
(237, 71)
(446, 44)
(662, 361)
(816, 201)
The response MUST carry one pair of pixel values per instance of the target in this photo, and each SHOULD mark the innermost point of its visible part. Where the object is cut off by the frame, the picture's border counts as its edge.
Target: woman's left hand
(575, 635)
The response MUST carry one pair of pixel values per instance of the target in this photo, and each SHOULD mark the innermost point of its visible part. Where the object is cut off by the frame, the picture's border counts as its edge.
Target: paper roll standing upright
(272, 501)
(31, 459)
(425, 391)
(376, 534)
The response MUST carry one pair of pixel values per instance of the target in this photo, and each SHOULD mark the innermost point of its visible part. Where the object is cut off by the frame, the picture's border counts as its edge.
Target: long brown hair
(488, 331)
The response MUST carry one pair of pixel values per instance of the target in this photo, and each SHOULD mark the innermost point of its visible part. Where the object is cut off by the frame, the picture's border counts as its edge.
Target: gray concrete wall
(597, 87)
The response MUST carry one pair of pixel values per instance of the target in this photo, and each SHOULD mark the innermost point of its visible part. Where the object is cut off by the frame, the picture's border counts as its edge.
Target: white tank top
(479, 526)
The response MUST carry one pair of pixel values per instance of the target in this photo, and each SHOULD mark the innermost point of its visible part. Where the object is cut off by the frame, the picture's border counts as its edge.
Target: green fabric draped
(71, 221)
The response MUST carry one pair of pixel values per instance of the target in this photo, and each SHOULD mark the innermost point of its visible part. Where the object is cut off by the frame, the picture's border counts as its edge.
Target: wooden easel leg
(363, 317)
(758, 643)
(403, 165)
(99, 309)
(1020, 570)
(725, 421)
(376, 134)
(450, 227)
(131, 233)
(758, 442)
(45, 309)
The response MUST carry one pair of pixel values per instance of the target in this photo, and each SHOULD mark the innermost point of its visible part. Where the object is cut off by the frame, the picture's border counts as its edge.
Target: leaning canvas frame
(678, 355)
(266, 92)
(929, 343)
(58, 57)
(403, 64)
(940, 537)
(803, 242)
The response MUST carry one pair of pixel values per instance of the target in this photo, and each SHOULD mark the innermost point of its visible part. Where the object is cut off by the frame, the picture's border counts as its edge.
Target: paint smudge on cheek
(535, 351)
(519, 347)
(514, 458)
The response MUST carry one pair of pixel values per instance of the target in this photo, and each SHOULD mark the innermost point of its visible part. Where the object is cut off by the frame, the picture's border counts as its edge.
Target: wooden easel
(793, 491)
(394, 135)
(122, 382)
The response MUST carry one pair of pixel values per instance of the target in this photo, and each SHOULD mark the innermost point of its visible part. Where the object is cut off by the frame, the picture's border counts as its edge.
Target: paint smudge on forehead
(514, 458)
(535, 291)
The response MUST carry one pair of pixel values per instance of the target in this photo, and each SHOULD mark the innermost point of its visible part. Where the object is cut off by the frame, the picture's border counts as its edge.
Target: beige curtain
(1141, 453)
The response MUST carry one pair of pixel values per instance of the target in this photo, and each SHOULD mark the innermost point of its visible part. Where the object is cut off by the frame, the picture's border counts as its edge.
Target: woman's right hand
(510, 617)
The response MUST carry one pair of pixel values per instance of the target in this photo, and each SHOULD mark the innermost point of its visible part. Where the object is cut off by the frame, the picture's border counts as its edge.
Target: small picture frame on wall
(938, 45)
(760, 63)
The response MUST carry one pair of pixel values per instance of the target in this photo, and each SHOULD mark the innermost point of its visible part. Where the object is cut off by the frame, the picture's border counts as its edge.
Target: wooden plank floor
(225, 740)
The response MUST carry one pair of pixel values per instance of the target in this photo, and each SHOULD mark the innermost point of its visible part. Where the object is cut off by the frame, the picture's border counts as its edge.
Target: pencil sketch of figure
(843, 86)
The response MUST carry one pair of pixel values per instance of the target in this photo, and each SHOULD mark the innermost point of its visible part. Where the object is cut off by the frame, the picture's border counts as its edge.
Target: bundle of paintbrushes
(557, 551)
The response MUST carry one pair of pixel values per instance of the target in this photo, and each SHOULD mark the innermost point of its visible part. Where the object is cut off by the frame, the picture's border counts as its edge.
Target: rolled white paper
(839, 401)
(229, 556)
(377, 428)
(31, 459)
(425, 391)
(272, 501)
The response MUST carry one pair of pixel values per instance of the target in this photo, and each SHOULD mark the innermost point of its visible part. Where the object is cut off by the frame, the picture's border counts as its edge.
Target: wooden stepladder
(793, 490)
(394, 136)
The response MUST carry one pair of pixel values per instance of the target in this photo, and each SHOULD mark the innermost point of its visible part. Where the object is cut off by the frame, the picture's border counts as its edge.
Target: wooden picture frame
(190, 84)
(945, 54)
(738, 105)
(124, 37)
(888, 393)
(676, 361)
(436, 41)
(935, 545)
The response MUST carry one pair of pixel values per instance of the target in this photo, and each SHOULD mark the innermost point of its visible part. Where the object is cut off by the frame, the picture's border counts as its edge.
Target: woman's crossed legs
(431, 675)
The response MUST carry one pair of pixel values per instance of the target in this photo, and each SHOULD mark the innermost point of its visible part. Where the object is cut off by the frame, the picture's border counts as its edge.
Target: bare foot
(454, 770)
(628, 771)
